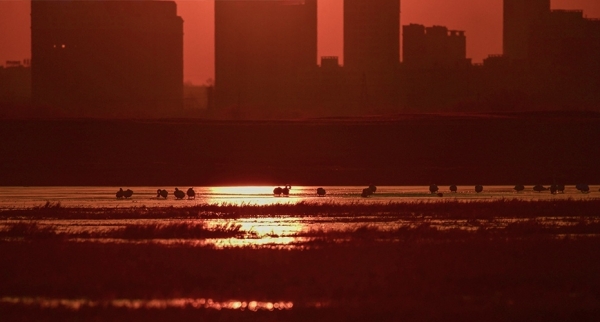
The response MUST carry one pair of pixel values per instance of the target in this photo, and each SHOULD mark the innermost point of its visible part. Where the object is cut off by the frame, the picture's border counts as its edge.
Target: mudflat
(410, 149)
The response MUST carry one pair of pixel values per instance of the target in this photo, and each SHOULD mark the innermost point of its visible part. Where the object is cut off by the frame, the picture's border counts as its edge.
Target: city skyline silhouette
(481, 22)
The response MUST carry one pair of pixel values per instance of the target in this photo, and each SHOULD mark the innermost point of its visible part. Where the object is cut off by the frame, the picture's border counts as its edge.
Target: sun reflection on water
(181, 303)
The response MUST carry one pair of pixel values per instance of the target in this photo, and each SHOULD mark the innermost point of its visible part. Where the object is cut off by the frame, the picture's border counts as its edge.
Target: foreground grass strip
(513, 208)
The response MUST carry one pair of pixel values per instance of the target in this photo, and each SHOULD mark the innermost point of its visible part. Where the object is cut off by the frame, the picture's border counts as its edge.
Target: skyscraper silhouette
(101, 57)
(521, 17)
(433, 47)
(265, 52)
(371, 34)
(372, 50)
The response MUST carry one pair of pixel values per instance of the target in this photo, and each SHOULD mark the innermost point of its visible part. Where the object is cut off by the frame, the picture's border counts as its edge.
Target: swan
(433, 188)
(127, 193)
(162, 193)
(191, 193)
(453, 188)
(519, 188)
(584, 188)
(179, 194)
(373, 188)
(321, 192)
(120, 193)
(478, 188)
(277, 191)
(286, 191)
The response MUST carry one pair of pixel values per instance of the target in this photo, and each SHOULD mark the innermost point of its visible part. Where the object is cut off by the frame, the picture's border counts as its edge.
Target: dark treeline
(525, 148)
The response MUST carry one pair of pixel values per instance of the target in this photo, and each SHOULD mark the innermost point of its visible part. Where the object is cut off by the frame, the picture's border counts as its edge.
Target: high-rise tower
(371, 34)
(263, 51)
(521, 17)
(96, 56)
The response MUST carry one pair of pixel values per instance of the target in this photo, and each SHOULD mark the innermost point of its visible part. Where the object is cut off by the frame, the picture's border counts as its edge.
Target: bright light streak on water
(161, 304)
(27, 197)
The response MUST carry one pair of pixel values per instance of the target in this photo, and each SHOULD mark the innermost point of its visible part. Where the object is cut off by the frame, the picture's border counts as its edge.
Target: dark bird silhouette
(277, 192)
(478, 188)
(127, 193)
(584, 188)
(453, 188)
(321, 192)
(179, 194)
(286, 191)
(538, 188)
(191, 193)
(433, 188)
(372, 188)
(519, 188)
(553, 189)
(369, 190)
(439, 194)
(162, 193)
(366, 192)
(120, 193)
(561, 187)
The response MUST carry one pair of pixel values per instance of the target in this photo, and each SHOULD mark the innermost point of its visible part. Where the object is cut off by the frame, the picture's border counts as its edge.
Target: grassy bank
(449, 209)
(457, 280)
(524, 271)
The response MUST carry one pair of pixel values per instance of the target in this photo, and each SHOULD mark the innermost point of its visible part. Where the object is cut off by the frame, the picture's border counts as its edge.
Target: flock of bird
(554, 188)
(366, 192)
(160, 193)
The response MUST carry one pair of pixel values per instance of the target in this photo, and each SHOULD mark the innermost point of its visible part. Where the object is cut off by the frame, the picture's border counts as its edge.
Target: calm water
(268, 231)
(264, 230)
(25, 197)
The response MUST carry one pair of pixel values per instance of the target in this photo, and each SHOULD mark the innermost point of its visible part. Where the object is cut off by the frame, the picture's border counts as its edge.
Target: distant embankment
(406, 150)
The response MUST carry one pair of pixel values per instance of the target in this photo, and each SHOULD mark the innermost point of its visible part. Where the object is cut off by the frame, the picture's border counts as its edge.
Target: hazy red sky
(481, 19)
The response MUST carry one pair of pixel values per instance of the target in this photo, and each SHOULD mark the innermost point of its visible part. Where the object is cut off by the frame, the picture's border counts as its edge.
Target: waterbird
(373, 188)
(120, 193)
(433, 188)
(478, 188)
(321, 192)
(127, 193)
(584, 188)
(179, 194)
(453, 188)
(519, 188)
(277, 191)
(162, 193)
(286, 191)
(191, 193)
(538, 188)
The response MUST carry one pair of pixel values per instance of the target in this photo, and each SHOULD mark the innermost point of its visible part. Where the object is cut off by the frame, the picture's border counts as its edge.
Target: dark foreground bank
(526, 270)
(526, 148)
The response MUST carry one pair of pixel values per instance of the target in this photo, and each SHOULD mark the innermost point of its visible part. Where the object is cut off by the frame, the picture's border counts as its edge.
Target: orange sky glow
(482, 21)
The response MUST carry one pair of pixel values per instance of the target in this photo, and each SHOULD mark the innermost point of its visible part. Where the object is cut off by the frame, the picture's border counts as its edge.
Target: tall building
(520, 20)
(433, 47)
(371, 34)
(265, 52)
(372, 52)
(102, 57)
(566, 38)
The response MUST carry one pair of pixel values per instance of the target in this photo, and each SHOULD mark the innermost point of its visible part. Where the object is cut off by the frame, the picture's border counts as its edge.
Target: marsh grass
(28, 230)
(447, 209)
(184, 230)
